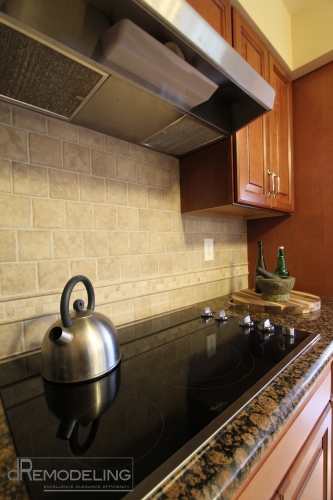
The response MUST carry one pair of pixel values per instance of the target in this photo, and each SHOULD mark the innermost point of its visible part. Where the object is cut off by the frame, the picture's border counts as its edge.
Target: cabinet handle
(278, 186)
(273, 183)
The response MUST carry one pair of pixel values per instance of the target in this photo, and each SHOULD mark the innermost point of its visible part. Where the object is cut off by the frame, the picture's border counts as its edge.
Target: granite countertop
(225, 462)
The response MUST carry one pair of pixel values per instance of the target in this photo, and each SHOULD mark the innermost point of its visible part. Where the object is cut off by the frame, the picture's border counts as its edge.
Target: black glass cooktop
(181, 378)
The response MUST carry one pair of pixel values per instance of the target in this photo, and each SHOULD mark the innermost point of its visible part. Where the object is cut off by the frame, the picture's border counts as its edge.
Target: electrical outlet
(209, 248)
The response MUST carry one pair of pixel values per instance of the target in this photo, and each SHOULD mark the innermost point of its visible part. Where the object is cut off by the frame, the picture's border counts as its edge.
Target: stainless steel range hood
(52, 60)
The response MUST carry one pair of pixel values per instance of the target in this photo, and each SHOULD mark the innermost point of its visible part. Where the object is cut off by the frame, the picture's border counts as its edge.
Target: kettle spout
(60, 336)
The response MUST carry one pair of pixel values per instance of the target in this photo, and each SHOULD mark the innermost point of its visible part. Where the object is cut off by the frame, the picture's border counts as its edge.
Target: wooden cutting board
(299, 303)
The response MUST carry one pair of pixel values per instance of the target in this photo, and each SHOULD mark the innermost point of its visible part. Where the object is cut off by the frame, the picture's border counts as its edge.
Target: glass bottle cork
(281, 268)
(259, 263)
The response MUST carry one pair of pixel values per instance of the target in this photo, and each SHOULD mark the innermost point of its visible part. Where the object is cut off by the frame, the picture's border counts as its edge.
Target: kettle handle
(64, 302)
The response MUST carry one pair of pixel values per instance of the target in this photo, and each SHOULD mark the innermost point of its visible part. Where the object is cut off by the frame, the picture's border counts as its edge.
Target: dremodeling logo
(61, 473)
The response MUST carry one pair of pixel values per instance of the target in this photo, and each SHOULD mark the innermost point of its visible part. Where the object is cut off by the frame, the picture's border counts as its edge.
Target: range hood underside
(58, 68)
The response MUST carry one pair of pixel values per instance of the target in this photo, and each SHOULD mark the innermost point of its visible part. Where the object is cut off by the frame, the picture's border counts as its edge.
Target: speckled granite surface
(222, 465)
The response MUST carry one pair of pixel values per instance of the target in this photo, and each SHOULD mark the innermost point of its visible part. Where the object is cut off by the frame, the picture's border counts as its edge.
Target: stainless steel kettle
(83, 345)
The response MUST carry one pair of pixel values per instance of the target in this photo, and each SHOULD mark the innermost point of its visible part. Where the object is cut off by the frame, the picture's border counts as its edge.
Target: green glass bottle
(259, 263)
(281, 268)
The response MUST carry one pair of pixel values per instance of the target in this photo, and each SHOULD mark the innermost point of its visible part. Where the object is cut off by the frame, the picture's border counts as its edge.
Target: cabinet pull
(273, 183)
(278, 186)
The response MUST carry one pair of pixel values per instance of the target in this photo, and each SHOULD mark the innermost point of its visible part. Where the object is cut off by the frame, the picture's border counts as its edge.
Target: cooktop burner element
(182, 377)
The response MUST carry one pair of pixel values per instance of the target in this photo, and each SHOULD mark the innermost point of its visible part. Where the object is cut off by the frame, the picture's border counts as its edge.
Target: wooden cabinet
(217, 13)
(249, 175)
(298, 465)
(251, 142)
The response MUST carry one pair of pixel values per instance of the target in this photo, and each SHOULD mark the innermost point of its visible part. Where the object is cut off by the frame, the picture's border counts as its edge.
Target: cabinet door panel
(251, 141)
(280, 121)
(217, 13)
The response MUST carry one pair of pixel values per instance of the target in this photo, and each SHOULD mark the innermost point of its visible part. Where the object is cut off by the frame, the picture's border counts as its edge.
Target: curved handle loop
(75, 446)
(64, 302)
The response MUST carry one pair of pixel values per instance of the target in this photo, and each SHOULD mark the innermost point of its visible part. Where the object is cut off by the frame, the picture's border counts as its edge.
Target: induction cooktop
(182, 377)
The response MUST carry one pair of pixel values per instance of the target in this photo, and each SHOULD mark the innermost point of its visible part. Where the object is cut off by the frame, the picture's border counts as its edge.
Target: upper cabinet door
(217, 13)
(281, 148)
(251, 142)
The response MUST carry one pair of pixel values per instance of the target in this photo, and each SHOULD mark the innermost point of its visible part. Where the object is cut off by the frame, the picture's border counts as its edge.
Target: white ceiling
(293, 6)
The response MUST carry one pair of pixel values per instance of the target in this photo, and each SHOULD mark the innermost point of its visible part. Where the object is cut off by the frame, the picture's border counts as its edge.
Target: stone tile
(166, 263)
(53, 275)
(176, 299)
(160, 303)
(164, 221)
(137, 195)
(29, 180)
(91, 138)
(11, 339)
(35, 330)
(5, 184)
(130, 266)
(18, 278)
(95, 243)
(135, 151)
(79, 215)
(128, 219)
(85, 267)
(115, 146)
(119, 243)
(194, 261)
(48, 214)
(63, 130)
(170, 162)
(5, 113)
(103, 164)
(25, 118)
(34, 245)
(172, 201)
(147, 220)
(156, 242)
(63, 185)
(105, 217)
(15, 211)
(181, 262)
(13, 143)
(116, 192)
(139, 243)
(76, 158)
(163, 178)
(142, 307)
(173, 242)
(146, 174)
(67, 244)
(156, 198)
(126, 169)
(92, 189)
(122, 312)
(149, 265)
(155, 157)
(7, 245)
(108, 269)
(174, 180)
(45, 151)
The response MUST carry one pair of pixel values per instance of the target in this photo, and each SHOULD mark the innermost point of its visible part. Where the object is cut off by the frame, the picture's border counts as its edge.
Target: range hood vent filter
(182, 136)
(35, 75)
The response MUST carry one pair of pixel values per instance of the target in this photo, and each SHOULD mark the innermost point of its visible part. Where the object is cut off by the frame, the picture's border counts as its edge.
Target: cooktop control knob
(246, 321)
(265, 326)
(221, 316)
(206, 313)
(288, 331)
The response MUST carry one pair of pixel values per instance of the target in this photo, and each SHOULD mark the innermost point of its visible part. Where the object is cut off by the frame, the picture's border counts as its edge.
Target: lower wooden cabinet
(298, 466)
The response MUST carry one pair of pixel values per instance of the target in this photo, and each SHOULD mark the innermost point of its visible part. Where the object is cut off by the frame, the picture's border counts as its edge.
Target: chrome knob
(246, 321)
(221, 316)
(265, 325)
(206, 313)
(288, 331)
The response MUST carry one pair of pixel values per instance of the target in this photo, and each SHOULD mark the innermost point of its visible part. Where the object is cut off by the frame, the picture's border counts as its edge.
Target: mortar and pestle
(274, 288)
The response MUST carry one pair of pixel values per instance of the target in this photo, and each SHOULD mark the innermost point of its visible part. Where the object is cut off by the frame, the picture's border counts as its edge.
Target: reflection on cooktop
(174, 388)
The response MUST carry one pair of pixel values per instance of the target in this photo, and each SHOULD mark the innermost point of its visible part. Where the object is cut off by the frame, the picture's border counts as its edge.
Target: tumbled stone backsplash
(74, 201)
